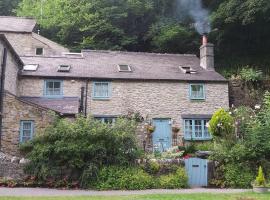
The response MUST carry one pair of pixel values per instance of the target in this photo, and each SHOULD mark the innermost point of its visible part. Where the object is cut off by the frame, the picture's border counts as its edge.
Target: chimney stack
(207, 54)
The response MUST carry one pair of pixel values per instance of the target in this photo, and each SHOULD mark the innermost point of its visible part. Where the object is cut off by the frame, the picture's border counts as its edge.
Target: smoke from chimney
(195, 10)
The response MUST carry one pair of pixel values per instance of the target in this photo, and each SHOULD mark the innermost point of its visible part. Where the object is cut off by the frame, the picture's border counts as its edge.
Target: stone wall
(11, 75)
(26, 44)
(10, 167)
(158, 100)
(15, 111)
(34, 87)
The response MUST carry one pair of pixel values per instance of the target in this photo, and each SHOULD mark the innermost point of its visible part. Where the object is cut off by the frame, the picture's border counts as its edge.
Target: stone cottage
(175, 94)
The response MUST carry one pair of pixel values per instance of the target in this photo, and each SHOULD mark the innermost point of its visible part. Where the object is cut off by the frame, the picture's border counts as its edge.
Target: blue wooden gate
(162, 136)
(197, 170)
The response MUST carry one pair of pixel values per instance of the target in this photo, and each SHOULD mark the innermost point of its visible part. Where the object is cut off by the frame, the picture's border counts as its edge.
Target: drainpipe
(2, 88)
(86, 99)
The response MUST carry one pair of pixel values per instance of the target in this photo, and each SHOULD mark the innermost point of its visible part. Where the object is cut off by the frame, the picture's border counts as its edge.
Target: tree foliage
(76, 150)
(7, 7)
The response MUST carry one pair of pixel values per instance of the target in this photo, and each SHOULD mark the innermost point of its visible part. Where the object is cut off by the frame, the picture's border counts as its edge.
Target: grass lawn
(244, 196)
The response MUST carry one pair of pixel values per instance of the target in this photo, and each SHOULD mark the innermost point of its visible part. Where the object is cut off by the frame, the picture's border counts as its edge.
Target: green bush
(260, 180)
(75, 150)
(132, 178)
(222, 124)
(238, 176)
(120, 178)
(250, 74)
(175, 180)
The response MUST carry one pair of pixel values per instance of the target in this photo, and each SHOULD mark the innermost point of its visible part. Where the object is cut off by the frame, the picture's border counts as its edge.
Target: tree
(7, 7)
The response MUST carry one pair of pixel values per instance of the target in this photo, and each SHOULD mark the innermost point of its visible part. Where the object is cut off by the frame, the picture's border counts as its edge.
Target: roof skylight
(30, 67)
(187, 70)
(64, 68)
(124, 68)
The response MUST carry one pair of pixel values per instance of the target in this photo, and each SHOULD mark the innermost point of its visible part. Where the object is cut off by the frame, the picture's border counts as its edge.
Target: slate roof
(64, 106)
(17, 24)
(103, 65)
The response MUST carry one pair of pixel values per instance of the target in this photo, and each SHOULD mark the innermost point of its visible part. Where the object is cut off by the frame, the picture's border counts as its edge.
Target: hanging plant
(175, 129)
(150, 129)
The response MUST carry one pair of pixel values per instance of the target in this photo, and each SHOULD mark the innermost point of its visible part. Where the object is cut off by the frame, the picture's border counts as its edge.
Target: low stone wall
(11, 168)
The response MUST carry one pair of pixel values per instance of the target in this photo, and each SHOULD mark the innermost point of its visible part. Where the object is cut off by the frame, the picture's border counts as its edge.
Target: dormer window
(64, 68)
(187, 70)
(39, 51)
(30, 67)
(124, 68)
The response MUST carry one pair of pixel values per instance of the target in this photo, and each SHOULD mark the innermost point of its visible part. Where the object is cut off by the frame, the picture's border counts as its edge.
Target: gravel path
(53, 192)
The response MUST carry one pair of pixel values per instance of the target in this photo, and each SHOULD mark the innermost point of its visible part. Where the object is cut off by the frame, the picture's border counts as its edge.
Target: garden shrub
(250, 74)
(134, 178)
(120, 178)
(175, 180)
(260, 180)
(238, 176)
(74, 150)
(222, 124)
(248, 149)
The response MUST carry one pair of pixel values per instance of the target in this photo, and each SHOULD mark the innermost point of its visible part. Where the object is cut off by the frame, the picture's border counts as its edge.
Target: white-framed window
(101, 90)
(197, 91)
(53, 88)
(196, 129)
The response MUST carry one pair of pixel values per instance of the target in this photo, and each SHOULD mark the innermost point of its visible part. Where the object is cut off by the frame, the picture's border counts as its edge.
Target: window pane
(57, 85)
(26, 133)
(27, 126)
(198, 128)
(101, 90)
(25, 139)
(53, 88)
(206, 132)
(188, 128)
(197, 91)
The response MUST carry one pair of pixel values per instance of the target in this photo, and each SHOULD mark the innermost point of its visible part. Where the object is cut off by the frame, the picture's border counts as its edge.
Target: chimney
(207, 55)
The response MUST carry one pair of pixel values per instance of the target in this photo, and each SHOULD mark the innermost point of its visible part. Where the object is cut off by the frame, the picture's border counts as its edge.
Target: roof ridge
(18, 17)
(139, 53)
(52, 57)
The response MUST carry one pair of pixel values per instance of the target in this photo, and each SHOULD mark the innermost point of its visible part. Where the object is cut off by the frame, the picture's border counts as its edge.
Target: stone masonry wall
(15, 111)
(26, 44)
(11, 78)
(34, 87)
(158, 100)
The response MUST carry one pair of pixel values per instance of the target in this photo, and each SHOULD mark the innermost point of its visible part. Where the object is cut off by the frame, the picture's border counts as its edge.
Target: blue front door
(162, 137)
(197, 170)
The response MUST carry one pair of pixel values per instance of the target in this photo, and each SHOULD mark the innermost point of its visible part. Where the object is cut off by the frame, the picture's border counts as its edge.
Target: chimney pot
(204, 40)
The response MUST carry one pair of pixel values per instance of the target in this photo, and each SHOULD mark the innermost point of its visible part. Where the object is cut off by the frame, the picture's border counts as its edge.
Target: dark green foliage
(175, 180)
(76, 150)
(238, 176)
(240, 29)
(117, 178)
(249, 149)
(7, 7)
(123, 178)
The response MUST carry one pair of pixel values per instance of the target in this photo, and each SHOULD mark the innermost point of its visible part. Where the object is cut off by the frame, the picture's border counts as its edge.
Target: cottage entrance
(197, 170)
(162, 136)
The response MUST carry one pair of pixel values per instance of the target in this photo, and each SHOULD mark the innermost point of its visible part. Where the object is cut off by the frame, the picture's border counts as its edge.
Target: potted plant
(150, 129)
(259, 184)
